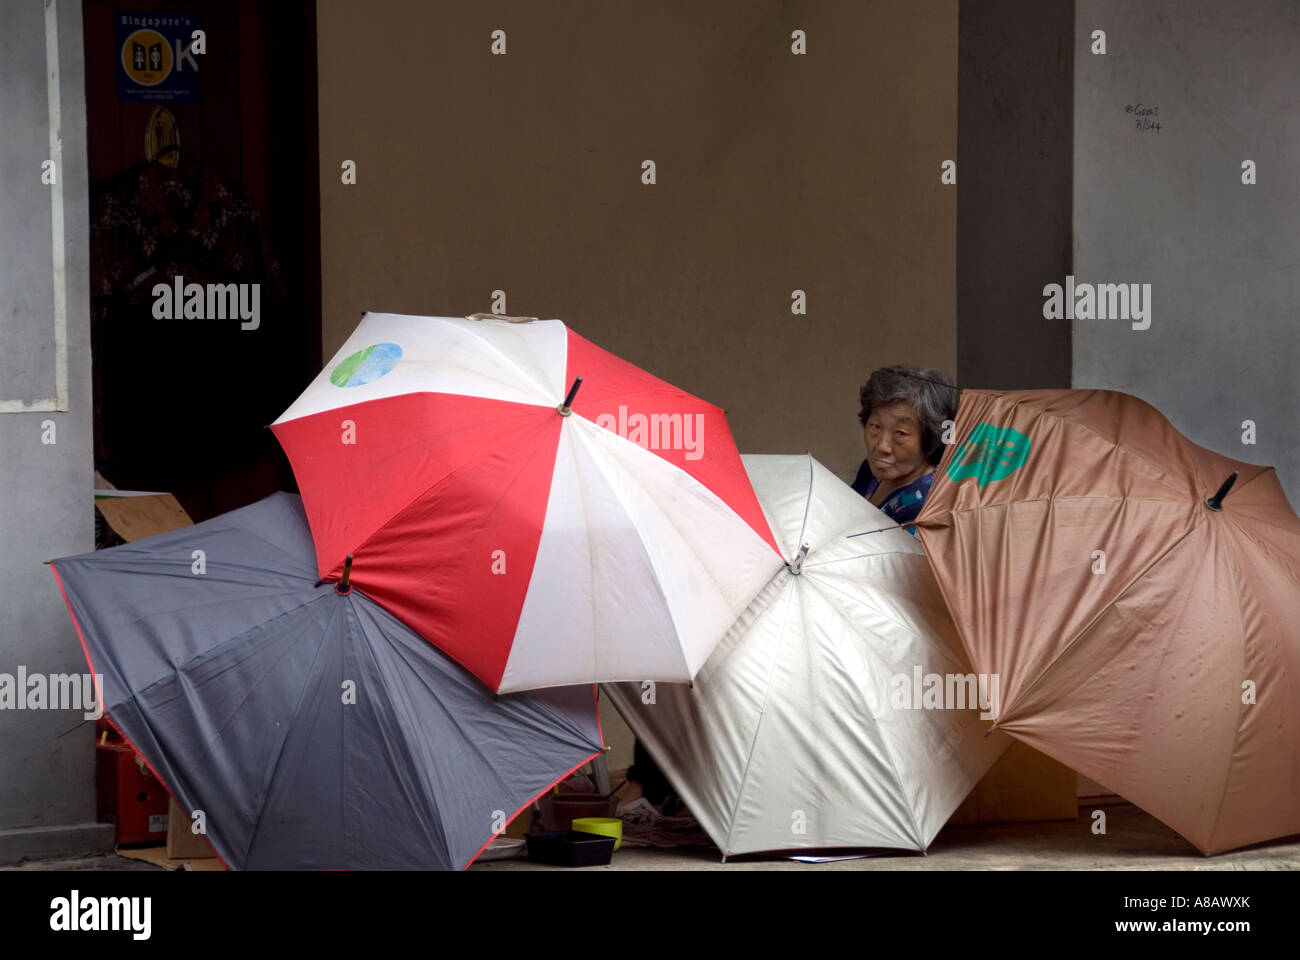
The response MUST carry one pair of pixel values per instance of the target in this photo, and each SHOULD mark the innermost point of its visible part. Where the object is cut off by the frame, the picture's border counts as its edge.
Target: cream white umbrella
(804, 729)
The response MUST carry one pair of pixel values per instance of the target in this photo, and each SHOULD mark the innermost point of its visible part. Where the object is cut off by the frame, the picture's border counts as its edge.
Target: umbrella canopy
(1142, 636)
(311, 728)
(802, 732)
(537, 540)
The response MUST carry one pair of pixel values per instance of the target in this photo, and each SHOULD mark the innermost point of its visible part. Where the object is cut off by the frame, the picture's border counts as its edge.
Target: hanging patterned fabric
(163, 381)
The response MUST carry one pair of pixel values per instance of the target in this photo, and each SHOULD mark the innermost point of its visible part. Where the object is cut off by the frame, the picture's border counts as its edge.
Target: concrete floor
(106, 862)
(1133, 841)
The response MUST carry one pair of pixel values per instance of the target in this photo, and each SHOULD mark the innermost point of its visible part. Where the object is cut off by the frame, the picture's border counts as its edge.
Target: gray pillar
(1193, 100)
(1015, 120)
(47, 798)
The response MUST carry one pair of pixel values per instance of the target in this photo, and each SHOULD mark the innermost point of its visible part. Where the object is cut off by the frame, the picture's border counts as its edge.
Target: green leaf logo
(989, 454)
(366, 365)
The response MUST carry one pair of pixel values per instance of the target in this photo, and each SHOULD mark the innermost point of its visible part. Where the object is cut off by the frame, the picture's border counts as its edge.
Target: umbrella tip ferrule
(344, 586)
(795, 566)
(566, 407)
(1216, 502)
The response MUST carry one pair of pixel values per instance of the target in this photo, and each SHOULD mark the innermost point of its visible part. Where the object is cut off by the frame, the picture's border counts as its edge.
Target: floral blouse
(903, 504)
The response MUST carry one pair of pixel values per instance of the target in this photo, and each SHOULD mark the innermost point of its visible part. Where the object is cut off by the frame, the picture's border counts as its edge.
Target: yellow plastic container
(604, 826)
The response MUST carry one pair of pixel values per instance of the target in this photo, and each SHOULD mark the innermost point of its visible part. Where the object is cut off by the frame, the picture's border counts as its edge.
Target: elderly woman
(902, 413)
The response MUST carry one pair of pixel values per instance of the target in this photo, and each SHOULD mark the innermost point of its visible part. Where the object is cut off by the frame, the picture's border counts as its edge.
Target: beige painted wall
(775, 172)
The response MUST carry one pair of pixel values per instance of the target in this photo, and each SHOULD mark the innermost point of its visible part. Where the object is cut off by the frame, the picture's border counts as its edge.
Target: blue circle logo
(366, 366)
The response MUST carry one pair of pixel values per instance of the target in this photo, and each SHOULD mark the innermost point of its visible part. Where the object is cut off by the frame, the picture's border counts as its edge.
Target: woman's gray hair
(931, 393)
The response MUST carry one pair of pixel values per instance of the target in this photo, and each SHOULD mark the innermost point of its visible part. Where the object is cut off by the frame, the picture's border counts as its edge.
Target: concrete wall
(1169, 208)
(47, 800)
(776, 172)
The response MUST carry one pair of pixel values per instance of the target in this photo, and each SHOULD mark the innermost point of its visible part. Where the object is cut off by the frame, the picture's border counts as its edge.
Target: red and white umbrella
(539, 536)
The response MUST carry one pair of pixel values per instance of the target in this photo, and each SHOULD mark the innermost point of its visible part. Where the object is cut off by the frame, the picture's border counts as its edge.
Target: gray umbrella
(311, 728)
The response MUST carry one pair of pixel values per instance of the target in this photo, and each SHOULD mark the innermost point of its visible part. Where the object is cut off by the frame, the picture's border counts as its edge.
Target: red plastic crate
(129, 795)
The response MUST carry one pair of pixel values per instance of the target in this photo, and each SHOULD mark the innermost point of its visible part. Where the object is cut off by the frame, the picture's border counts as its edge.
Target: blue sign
(154, 59)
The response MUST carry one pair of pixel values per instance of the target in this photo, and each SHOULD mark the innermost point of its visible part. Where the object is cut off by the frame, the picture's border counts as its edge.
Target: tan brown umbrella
(1142, 635)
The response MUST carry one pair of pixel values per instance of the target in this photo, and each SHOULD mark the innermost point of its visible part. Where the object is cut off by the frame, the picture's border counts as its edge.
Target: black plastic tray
(570, 848)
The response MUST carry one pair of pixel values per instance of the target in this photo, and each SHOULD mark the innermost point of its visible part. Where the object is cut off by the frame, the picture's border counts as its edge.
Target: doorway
(205, 242)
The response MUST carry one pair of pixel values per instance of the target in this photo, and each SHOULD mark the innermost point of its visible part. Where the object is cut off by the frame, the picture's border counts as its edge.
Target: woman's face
(893, 438)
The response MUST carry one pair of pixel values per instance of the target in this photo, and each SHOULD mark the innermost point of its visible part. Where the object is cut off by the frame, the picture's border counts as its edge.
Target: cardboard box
(182, 842)
(133, 515)
(518, 827)
(158, 857)
(1023, 785)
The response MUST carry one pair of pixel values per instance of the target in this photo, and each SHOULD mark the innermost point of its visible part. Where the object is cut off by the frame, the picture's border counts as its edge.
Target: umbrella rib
(442, 365)
(174, 676)
(857, 600)
(753, 743)
(592, 572)
(513, 410)
(438, 839)
(1286, 569)
(543, 389)
(1083, 425)
(974, 508)
(176, 670)
(641, 539)
(893, 765)
(713, 665)
(153, 615)
(664, 387)
(1241, 633)
(807, 506)
(473, 461)
(145, 559)
(561, 720)
(1261, 473)
(578, 741)
(577, 737)
(860, 556)
(1236, 737)
(895, 551)
(863, 533)
(279, 755)
(1094, 621)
